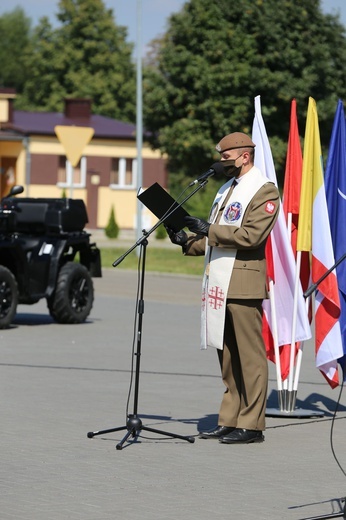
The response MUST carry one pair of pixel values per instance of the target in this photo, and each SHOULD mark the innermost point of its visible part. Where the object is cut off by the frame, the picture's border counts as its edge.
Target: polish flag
(278, 311)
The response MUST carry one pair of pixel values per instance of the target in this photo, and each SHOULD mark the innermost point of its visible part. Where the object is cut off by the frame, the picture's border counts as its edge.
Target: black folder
(160, 203)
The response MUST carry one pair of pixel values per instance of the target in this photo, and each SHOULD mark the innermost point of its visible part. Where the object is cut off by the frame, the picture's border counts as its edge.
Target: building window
(69, 177)
(123, 173)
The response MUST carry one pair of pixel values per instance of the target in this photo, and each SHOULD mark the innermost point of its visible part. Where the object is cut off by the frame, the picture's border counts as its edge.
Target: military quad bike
(46, 253)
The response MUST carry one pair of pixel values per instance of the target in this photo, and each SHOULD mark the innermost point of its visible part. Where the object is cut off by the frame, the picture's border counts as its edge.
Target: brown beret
(234, 140)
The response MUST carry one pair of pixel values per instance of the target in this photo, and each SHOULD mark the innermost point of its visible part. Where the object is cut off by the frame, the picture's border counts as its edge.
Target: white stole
(219, 261)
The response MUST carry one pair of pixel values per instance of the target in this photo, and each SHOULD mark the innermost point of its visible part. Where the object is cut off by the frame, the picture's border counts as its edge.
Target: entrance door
(7, 174)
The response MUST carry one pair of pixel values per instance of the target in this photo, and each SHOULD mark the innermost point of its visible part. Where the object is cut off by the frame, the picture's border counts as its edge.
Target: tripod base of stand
(287, 407)
(339, 514)
(134, 427)
(297, 413)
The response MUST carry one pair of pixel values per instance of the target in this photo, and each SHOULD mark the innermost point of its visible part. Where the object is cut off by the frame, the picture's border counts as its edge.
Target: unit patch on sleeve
(270, 207)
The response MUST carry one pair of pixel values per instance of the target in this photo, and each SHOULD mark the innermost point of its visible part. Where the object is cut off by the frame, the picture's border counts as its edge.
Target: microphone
(217, 167)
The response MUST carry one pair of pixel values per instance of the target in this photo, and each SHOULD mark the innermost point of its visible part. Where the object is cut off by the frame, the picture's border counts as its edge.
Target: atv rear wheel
(74, 294)
(8, 297)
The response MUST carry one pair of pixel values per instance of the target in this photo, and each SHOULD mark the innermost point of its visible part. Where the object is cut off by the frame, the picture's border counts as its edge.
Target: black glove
(177, 237)
(197, 225)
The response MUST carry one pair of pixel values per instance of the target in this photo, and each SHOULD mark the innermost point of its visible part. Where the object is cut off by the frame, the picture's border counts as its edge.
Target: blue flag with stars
(335, 186)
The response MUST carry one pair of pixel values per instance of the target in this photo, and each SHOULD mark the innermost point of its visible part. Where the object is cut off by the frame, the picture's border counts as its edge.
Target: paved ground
(60, 382)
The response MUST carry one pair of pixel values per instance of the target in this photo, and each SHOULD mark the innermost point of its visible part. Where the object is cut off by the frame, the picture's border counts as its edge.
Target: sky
(154, 13)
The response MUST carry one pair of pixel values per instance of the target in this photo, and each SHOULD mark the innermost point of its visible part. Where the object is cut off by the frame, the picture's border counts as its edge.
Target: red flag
(294, 166)
(269, 259)
(266, 331)
(291, 193)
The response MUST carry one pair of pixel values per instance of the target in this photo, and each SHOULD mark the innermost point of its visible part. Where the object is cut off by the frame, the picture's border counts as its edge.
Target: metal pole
(69, 176)
(26, 142)
(139, 117)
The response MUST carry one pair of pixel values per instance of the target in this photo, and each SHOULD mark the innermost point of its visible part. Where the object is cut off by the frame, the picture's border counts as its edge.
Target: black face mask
(229, 167)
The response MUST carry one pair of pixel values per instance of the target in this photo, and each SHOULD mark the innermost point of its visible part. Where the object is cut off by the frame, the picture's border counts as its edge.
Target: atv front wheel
(8, 297)
(73, 297)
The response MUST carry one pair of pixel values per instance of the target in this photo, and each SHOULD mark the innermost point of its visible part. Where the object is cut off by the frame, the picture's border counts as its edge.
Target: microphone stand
(134, 424)
(314, 286)
(306, 294)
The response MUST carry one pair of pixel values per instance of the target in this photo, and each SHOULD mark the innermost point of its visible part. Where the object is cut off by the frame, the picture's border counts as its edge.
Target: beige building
(106, 174)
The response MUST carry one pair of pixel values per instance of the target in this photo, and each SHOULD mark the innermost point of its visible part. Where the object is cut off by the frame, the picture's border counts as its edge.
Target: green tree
(112, 228)
(202, 78)
(86, 56)
(15, 35)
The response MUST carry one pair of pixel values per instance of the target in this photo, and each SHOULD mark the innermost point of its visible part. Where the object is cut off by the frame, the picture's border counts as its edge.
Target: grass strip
(161, 260)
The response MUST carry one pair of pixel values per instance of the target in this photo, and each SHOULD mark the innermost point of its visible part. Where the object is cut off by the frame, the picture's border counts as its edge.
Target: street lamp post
(139, 117)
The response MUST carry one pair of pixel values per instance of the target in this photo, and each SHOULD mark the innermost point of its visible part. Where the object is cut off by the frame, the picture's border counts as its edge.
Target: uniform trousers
(244, 366)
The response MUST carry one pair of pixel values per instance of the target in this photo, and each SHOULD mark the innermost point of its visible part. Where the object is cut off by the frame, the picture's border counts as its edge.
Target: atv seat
(41, 215)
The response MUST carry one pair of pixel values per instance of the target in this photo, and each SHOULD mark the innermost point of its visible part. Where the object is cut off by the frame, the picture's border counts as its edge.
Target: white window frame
(122, 174)
(69, 175)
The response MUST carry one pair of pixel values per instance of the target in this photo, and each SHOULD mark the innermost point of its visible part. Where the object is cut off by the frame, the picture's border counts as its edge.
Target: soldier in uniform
(234, 285)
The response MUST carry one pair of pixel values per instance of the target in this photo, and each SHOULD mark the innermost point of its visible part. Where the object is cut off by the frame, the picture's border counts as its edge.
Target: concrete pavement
(59, 382)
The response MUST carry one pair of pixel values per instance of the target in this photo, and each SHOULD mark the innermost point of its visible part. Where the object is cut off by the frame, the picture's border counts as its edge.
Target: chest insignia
(233, 212)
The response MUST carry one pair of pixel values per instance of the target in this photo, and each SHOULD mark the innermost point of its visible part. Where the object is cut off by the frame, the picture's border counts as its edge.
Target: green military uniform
(243, 359)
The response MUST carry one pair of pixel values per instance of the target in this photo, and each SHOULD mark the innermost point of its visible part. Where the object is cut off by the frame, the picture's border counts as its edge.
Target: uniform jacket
(248, 278)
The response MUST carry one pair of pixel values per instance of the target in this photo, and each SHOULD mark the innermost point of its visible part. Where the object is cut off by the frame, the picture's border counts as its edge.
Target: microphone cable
(166, 214)
(134, 331)
(332, 428)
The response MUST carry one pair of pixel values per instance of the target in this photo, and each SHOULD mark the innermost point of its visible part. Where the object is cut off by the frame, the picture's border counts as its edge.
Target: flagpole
(300, 354)
(289, 224)
(276, 342)
(285, 382)
(294, 326)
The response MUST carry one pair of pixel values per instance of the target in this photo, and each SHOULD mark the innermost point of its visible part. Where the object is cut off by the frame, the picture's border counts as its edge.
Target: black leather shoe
(217, 432)
(241, 436)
